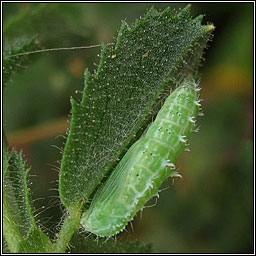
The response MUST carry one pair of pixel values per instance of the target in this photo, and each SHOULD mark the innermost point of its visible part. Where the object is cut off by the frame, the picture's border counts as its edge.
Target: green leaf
(14, 58)
(11, 231)
(16, 188)
(35, 242)
(18, 219)
(82, 244)
(134, 76)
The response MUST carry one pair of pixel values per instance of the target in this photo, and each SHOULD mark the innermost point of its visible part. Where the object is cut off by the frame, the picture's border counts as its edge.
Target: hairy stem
(69, 227)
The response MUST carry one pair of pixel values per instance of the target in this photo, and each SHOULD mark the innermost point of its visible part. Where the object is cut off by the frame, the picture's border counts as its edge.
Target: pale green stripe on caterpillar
(145, 166)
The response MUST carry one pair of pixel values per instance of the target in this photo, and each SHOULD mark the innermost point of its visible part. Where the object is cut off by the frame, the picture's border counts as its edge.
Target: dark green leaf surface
(81, 244)
(133, 78)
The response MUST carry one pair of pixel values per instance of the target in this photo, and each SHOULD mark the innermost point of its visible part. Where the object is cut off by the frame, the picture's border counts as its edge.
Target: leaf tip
(185, 12)
(210, 27)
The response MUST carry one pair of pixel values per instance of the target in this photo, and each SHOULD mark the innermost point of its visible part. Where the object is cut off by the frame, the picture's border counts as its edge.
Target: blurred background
(210, 210)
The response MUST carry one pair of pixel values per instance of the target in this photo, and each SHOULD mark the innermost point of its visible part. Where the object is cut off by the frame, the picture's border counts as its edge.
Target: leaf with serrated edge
(15, 57)
(134, 76)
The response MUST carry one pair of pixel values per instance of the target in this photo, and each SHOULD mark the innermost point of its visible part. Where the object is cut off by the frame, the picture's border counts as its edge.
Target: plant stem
(69, 227)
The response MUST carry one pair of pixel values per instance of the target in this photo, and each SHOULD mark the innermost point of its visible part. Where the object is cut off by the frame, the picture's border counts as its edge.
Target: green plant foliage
(16, 188)
(5, 247)
(211, 210)
(6, 155)
(49, 22)
(52, 22)
(134, 76)
(82, 244)
(12, 61)
(18, 219)
(35, 242)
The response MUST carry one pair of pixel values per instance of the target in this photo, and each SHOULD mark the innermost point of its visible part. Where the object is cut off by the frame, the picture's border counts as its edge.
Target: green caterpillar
(145, 166)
